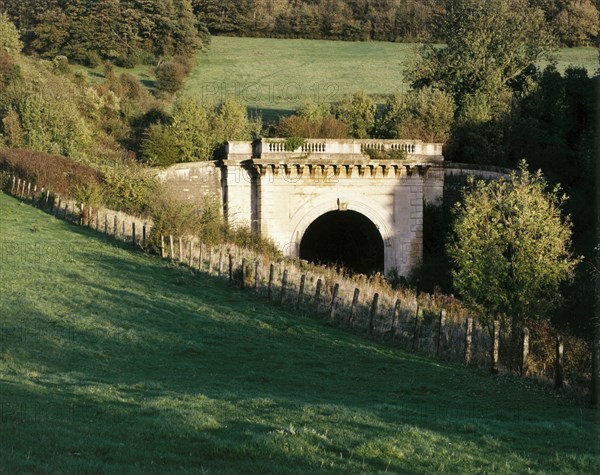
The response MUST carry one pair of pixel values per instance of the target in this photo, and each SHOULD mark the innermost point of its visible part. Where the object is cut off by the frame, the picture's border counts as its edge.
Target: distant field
(116, 362)
(276, 75)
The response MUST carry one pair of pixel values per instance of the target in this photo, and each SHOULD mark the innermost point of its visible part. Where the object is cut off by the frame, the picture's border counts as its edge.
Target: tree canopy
(489, 44)
(511, 247)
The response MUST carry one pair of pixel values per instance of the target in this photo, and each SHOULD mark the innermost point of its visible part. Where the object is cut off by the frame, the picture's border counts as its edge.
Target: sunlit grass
(116, 362)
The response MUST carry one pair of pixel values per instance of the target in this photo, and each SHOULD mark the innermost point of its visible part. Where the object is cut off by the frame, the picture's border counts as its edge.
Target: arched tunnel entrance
(345, 238)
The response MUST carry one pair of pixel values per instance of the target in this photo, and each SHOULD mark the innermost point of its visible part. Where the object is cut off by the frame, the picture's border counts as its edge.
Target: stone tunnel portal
(344, 238)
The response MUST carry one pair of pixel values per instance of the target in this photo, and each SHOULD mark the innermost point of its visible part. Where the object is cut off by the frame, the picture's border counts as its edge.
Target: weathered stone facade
(280, 193)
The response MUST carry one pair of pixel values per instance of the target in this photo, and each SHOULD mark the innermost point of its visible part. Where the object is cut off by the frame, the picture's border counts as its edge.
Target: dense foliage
(127, 32)
(511, 247)
(59, 174)
(575, 21)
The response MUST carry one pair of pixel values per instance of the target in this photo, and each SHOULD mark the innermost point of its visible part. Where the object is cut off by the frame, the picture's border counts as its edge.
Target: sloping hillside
(113, 362)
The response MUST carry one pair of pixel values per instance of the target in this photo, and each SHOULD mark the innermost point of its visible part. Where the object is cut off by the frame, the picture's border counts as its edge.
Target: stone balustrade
(325, 148)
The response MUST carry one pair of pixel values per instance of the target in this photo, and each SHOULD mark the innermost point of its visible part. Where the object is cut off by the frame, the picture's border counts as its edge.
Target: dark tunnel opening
(344, 238)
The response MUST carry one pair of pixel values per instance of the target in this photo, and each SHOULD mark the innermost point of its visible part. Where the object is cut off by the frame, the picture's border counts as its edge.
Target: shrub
(425, 114)
(9, 36)
(60, 65)
(297, 126)
(56, 173)
(358, 111)
(158, 146)
(91, 59)
(130, 189)
(170, 77)
(173, 217)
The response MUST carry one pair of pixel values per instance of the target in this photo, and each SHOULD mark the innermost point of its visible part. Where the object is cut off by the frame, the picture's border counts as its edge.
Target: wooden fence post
(230, 267)
(270, 284)
(97, 220)
(28, 195)
(243, 272)
(162, 246)
(395, 317)
(210, 254)
(144, 236)
(284, 280)
(133, 240)
(441, 323)
(495, 346)
(595, 389)
(336, 289)
(191, 258)
(469, 341)
(220, 261)
(318, 294)
(525, 352)
(171, 248)
(12, 188)
(417, 329)
(301, 291)
(256, 275)
(353, 307)
(373, 313)
(558, 365)
(115, 227)
(180, 249)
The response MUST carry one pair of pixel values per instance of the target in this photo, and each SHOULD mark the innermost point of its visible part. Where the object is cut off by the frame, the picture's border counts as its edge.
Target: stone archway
(310, 212)
(344, 238)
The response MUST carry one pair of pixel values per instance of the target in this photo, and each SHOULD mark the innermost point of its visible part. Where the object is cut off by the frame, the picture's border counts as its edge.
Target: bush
(172, 217)
(425, 114)
(130, 189)
(53, 172)
(128, 61)
(60, 65)
(91, 59)
(158, 146)
(170, 77)
(9, 36)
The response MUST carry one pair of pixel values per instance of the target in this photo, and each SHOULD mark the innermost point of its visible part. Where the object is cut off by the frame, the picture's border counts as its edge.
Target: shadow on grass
(187, 370)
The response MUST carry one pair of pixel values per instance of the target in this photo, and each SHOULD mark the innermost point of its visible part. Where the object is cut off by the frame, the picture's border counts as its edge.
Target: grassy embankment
(112, 361)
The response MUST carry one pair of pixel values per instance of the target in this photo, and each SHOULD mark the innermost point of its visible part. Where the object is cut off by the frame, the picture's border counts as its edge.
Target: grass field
(277, 75)
(116, 362)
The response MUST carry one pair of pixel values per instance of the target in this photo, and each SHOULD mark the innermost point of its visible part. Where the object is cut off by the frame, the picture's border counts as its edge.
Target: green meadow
(112, 361)
(277, 75)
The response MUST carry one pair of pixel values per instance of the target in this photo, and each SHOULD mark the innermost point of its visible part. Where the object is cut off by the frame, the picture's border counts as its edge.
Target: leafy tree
(312, 120)
(577, 23)
(9, 36)
(358, 112)
(490, 43)
(511, 247)
(425, 114)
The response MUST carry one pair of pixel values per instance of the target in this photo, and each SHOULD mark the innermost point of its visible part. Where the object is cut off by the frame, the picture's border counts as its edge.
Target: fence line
(434, 325)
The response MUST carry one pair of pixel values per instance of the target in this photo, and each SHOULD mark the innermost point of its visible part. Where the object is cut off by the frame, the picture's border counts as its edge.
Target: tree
(577, 23)
(425, 114)
(9, 36)
(358, 111)
(510, 246)
(490, 43)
